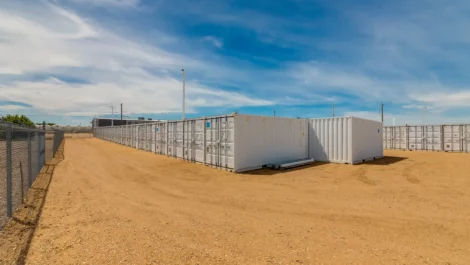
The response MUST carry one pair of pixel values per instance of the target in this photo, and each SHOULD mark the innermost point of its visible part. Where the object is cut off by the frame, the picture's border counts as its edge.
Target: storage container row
(244, 142)
(449, 138)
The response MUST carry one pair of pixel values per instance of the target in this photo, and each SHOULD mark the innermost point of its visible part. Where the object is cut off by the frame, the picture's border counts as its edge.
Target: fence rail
(447, 138)
(22, 155)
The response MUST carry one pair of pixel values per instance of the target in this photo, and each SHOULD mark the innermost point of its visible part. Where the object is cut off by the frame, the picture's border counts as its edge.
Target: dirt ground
(109, 204)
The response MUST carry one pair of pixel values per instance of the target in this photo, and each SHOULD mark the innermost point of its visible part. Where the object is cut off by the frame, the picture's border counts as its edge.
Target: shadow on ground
(270, 172)
(385, 161)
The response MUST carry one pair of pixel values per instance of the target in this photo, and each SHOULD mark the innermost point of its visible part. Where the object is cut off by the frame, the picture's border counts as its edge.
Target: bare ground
(109, 204)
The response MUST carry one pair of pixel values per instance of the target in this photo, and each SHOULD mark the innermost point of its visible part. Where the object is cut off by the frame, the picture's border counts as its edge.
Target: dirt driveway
(109, 204)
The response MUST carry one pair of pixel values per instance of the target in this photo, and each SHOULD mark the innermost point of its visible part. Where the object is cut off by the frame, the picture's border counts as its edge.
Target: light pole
(423, 110)
(382, 113)
(184, 91)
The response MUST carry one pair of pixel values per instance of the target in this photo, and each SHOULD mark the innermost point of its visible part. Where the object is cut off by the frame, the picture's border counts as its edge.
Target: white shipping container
(466, 136)
(400, 137)
(345, 140)
(416, 137)
(235, 142)
(452, 138)
(388, 138)
(432, 138)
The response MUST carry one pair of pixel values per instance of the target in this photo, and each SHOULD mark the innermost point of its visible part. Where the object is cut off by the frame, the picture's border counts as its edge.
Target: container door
(466, 136)
(179, 139)
(387, 136)
(142, 137)
(128, 136)
(186, 140)
(432, 138)
(199, 140)
(400, 138)
(212, 136)
(163, 138)
(220, 142)
(150, 133)
(154, 138)
(189, 140)
(158, 144)
(416, 138)
(146, 137)
(452, 138)
(149, 137)
(227, 138)
(172, 139)
(136, 136)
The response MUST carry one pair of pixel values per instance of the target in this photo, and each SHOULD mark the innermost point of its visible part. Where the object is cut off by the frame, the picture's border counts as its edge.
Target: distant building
(104, 122)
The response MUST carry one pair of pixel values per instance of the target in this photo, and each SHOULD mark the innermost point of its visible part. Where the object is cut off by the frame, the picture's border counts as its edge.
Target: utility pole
(184, 91)
(423, 110)
(121, 113)
(382, 112)
(112, 115)
(333, 109)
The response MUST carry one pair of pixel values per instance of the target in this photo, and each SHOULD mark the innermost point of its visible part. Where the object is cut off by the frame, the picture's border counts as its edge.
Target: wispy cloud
(313, 54)
(214, 41)
(115, 69)
(117, 3)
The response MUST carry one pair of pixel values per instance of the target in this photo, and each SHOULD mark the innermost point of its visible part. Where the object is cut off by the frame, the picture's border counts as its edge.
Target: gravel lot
(109, 204)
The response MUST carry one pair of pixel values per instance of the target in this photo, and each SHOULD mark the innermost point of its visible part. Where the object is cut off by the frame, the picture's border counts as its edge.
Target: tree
(51, 124)
(18, 119)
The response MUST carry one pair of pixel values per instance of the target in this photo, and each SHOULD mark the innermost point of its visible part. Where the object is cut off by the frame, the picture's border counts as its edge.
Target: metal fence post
(30, 164)
(40, 164)
(9, 129)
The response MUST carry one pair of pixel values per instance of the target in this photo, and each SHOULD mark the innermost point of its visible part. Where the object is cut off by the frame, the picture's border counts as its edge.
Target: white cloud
(214, 41)
(32, 46)
(11, 107)
(331, 78)
(117, 3)
(115, 69)
(449, 99)
(411, 118)
(150, 95)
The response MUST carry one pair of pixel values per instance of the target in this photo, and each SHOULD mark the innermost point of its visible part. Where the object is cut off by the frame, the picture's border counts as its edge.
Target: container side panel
(453, 138)
(219, 146)
(329, 140)
(269, 140)
(432, 138)
(466, 129)
(367, 140)
(416, 137)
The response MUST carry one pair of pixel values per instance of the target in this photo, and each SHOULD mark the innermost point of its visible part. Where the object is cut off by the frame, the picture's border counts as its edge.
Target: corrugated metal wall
(345, 140)
(330, 139)
(448, 138)
(243, 142)
(213, 140)
(269, 140)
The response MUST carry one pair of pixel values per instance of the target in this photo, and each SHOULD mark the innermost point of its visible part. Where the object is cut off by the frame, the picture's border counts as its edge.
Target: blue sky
(67, 61)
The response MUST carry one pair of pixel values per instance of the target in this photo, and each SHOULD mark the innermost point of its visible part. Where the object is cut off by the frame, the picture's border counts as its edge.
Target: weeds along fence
(22, 155)
(447, 138)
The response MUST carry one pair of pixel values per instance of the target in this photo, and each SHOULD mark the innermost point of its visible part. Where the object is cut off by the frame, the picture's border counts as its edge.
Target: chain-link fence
(22, 155)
